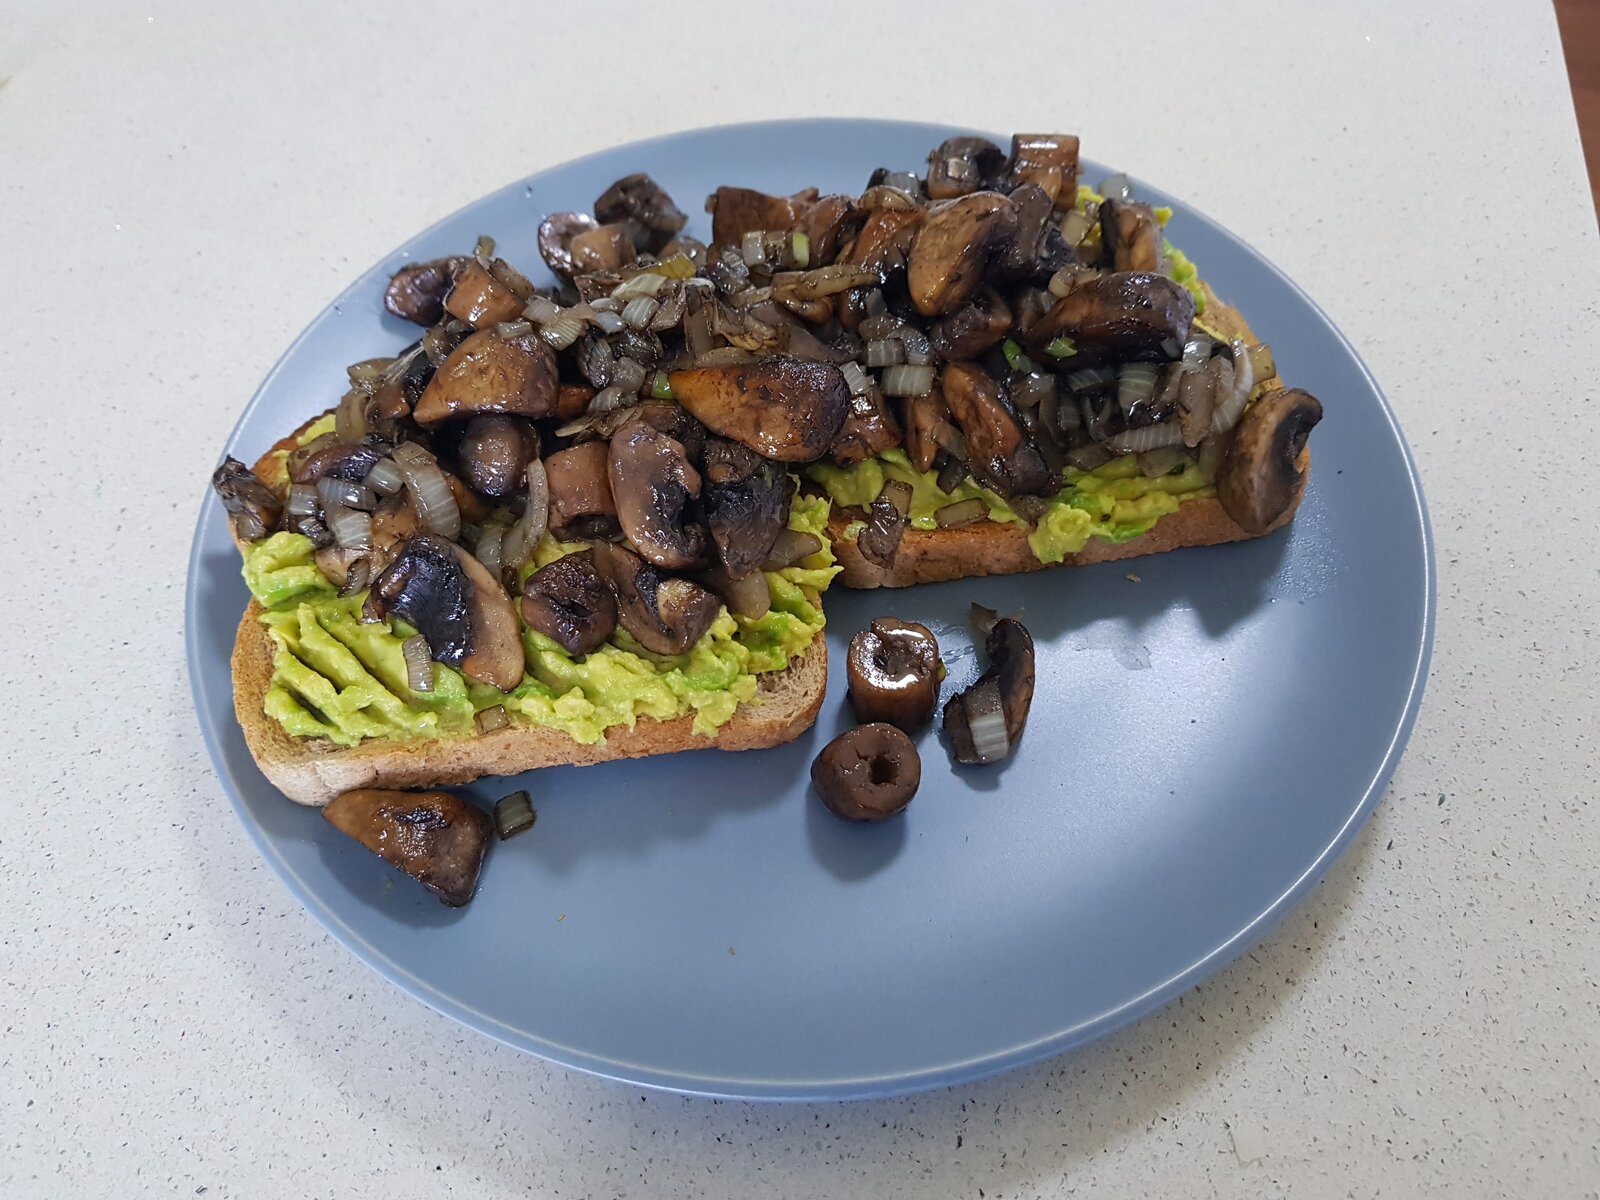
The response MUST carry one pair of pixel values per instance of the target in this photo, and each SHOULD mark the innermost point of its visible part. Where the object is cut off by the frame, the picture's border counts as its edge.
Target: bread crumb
(561, 918)
(730, 951)
(1131, 577)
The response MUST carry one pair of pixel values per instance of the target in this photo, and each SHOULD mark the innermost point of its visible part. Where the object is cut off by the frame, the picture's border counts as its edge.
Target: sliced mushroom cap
(457, 606)
(416, 291)
(744, 502)
(736, 211)
(927, 420)
(665, 616)
(1122, 317)
(654, 484)
(1131, 235)
(1049, 160)
(783, 408)
(555, 239)
(342, 460)
(604, 248)
(436, 838)
(952, 247)
(568, 602)
(868, 431)
(985, 722)
(671, 419)
(490, 374)
(494, 454)
(893, 668)
(644, 202)
(869, 773)
(253, 508)
(824, 223)
(394, 522)
(1263, 472)
(885, 239)
(581, 505)
(481, 300)
(976, 326)
(997, 446)
(1021, 258)
(962, 165)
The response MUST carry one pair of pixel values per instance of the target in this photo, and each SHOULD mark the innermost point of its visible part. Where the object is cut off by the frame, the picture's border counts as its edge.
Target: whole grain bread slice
(993, 548)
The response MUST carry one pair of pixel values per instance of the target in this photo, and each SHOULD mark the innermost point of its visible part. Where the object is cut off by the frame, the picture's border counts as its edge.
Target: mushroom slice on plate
(984, 723)
(488, 373)
(1128, 316)
(457, 606)
(665, 616)
(416, 291)
(869, 773)
(744, 502)
(435, 837)
(788, 409)
(1262, 473)
(568, 602)
(952, 247)
(997, 446)
(893, 669)
(653, 484)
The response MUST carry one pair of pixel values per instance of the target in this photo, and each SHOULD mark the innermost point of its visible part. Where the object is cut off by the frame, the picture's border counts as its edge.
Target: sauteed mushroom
(481, 300)
(996, 444)
(653, 484)
(253, 508)
(984, 723)
(954, 244)
(665, 616)
(868, 773)
(494, 454)
(979, 324)
(962, 165)
(784, 408)
(435, 837)
(490, 374)
(1262, 473)
(568, 602)
(744, 501)
(641, 203)
(581, 505)
(893, 669)
(1122, 317)
(416, 291)
(555, 239)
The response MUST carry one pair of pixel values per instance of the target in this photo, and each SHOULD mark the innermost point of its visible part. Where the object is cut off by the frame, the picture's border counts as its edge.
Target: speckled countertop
(183, 186)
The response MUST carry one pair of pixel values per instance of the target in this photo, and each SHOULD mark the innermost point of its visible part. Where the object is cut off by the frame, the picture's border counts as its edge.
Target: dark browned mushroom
(604, 248)
(555, 239)
(997, 446)
(253, 508)
(481, 300)
(952, 247)
(641, 203)
(928, 426)
(1049, 160)
(654, 484)
(665, 616)
(1265, 469)
(984, 723)
(869, 773)
(784, 408)
(435, 837)
(1022, 258)
(893, 668)
(491, 374)
(416, 291)
(1122, 317)
(736, 211)
(975, 327)
(455, 604)
(581, 505)
(825, 222)
(673, 420)
(868, 431)
(961, 165)
(1130, 236)
(494, 454)
(744, 502)
(568, 602)
(885, 240)
(341, 460)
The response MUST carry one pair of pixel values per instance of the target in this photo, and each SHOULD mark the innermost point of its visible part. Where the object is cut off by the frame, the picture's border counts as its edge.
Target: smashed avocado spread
(1116, 502)
(334, 677)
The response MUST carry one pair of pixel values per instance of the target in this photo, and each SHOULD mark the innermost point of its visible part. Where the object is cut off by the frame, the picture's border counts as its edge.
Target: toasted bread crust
(314, 771)
(993, 548)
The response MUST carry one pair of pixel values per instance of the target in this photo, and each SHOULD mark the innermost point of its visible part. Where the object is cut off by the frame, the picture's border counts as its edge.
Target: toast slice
(313, 771)
(995, 548)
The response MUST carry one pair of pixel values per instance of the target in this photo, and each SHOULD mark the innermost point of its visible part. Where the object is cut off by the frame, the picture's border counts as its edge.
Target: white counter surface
(184, 186)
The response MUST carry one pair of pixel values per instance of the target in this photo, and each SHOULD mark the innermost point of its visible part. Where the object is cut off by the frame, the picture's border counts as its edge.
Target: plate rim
(849, 1087)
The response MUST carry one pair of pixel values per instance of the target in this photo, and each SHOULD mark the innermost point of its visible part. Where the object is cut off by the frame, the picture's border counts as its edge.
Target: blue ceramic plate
(1204, 741)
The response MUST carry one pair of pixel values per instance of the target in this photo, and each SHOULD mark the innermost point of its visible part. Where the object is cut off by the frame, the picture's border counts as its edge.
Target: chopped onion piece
(986, 721)
(981, 619)
(670, 311)
(639, 311)
(751, 249)
(541, 310)
(918, 349)
(962, 512)
(1091, 379)
(436, 503)
(791, 547)
(513, 329)
(523, 538)
(646, 283)
(1231, 399)
(1032, 390)
(513, 814)
(1261, 364)
(1136, 384)
(331, 490)
(561, 331)
(419, 663)
(1075, 227)
(302, 500)
(661, 387)
(484, 248)
(488, 548)
(855, 378)
(1116, 187)
(350, 418)
(951, 473)
(1147, 437)
(885, 352)
(609, 322)
(491, 719)
(907, 381)
(384, 478)
(351, 530)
